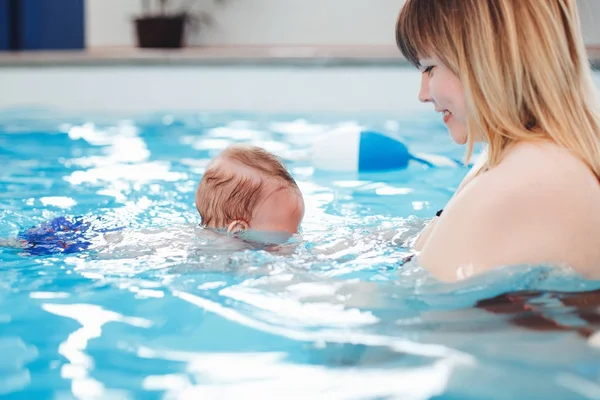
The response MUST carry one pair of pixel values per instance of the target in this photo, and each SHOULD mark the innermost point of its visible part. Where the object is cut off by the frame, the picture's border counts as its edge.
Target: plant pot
(160, 32)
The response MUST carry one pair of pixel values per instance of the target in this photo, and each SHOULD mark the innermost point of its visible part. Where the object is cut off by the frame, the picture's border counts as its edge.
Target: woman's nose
(424, 90)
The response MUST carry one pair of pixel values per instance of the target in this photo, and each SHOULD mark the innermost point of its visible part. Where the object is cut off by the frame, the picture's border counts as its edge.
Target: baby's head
(248, 188)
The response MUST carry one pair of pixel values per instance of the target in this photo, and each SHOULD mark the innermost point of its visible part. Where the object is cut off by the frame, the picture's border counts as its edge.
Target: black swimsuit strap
(410, 256)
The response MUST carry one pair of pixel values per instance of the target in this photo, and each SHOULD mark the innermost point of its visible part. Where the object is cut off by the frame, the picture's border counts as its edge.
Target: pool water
(163, 314)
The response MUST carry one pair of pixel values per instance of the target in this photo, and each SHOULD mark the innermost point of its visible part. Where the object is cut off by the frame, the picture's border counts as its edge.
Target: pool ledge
(211, 56)
(298, 55)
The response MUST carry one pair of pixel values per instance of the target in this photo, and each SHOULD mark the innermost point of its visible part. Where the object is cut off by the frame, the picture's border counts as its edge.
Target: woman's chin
(459, 139)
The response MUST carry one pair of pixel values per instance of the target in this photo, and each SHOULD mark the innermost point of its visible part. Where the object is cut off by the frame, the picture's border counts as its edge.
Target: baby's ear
(237, 226)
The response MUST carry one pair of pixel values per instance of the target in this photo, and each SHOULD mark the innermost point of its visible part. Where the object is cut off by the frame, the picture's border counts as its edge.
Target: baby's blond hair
(225, 195)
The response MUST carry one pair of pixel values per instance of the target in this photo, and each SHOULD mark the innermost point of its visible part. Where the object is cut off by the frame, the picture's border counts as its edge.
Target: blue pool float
(355, 150)
(62, 235)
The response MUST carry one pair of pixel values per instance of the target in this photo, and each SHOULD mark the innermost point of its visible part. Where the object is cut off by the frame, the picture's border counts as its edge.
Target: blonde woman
(513, 74)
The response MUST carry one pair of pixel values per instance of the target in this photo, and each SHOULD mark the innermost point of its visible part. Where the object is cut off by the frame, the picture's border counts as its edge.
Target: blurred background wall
(283, 22)
(260, 22)
(96, 24)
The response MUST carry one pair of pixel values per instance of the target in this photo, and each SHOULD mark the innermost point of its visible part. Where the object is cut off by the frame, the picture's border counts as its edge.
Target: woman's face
(440, 86)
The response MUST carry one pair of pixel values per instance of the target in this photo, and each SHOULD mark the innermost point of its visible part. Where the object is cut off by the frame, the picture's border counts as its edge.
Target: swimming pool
(162, 316)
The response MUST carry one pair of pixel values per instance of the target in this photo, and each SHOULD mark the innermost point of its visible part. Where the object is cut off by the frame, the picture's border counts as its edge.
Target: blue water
(162, 314)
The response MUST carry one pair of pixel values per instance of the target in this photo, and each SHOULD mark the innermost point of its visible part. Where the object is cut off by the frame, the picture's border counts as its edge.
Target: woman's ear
(237, 226)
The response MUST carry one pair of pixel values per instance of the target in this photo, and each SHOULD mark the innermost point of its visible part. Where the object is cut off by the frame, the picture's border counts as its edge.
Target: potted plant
(164, 25)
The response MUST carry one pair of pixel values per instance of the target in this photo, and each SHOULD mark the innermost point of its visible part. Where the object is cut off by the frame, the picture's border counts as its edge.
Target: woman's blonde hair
(523, 66)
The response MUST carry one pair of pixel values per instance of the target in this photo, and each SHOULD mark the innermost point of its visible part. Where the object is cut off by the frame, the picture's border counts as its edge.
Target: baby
(245, 191)
(246, 188)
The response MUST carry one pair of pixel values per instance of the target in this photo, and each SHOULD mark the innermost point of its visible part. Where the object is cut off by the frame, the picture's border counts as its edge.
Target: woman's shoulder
(523, 210)
(539, 169)
(543, 156)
